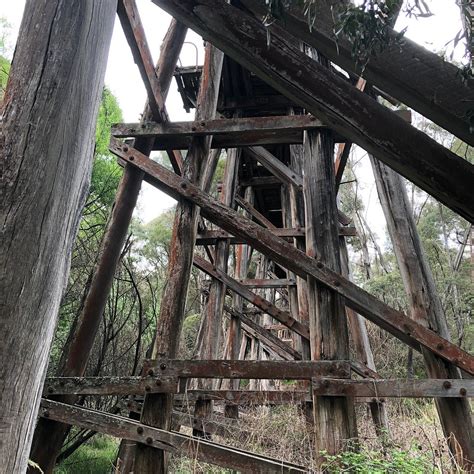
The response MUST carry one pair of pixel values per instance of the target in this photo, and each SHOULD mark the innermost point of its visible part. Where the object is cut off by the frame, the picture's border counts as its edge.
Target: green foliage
(366, 461)
(4, 62)
(95, 457)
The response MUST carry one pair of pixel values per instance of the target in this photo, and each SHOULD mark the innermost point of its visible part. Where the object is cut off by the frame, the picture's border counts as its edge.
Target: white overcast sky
(123, 79)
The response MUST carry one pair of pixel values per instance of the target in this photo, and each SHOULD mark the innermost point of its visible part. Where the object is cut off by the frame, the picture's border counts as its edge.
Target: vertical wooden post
(212, 319)
(363, 350)
(47, 134)
(334, 417)
(49, 435)
(234, 335)
(425, 306)
(157, 408)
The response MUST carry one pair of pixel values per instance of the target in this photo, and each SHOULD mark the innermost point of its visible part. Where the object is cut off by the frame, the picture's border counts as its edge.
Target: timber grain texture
(195, 448)
(46, 149)
(293, 259)
(407, 71)
(334, 101)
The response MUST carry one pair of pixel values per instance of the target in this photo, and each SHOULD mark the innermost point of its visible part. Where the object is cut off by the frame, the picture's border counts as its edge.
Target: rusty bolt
(131, 158)
(151, 372)
(193, 129)
(125, 148)
(147, 388)
(149, 440)
(162, 366)
(203, 124)
(184, 185)
(325, 383)
(158, 383)
(140, 430)
(447, 384)
(463, 392)
(439, 346)
(46, 414)
(319, 265)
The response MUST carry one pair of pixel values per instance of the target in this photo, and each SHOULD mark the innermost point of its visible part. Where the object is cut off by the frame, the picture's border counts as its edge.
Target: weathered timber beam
(133, 29)
(267, 283)
(269, 339)
(248, 397)
(196, 448)
(274, 165)
(232, 132)
(282, 316)
(109, 385)
(340, 106)
(445, 388)
(246, 206)
(210, 237)
(282, 252)
(216, 425)
(417, 77)
(249, 369)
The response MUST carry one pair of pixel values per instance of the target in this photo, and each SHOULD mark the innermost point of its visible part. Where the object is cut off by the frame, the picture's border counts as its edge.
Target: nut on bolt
(447, 384)
(162, 366)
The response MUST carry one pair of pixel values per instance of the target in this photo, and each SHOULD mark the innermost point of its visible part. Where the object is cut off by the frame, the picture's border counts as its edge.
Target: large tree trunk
(49, 434)
(425, 306)
(48, 131)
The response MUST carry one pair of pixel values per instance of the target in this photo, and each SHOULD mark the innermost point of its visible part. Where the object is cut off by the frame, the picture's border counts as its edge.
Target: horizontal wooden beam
(268, 283)
(227, 133)
(249, 369)
(283, 317)
(248, 397)
(195, 448)
(109, 385)
(382, 388)
(416, 76)
(338, 104)
(211, 237)
(282, 252)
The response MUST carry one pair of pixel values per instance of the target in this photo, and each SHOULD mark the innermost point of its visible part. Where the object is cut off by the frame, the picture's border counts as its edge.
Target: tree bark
(48, 132)
(425, 306)
(49, 435)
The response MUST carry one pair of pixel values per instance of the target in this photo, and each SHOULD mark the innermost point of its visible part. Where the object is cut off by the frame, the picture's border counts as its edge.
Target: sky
(123, 79)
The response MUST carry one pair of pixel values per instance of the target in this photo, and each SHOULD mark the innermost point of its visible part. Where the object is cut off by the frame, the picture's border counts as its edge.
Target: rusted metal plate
(383, 388)
(248, 369)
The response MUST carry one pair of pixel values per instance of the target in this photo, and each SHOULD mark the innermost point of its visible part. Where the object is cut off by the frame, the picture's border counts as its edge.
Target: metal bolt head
(149, 440)
(158, 383)
(147, 388)
(447, 384)
(463, 392)
(140, 430)
(162, 366)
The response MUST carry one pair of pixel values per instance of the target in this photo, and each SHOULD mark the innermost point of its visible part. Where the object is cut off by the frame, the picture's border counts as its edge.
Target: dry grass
(281, 432)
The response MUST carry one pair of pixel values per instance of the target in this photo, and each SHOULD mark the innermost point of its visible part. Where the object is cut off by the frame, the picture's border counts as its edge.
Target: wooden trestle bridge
(279, 111)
